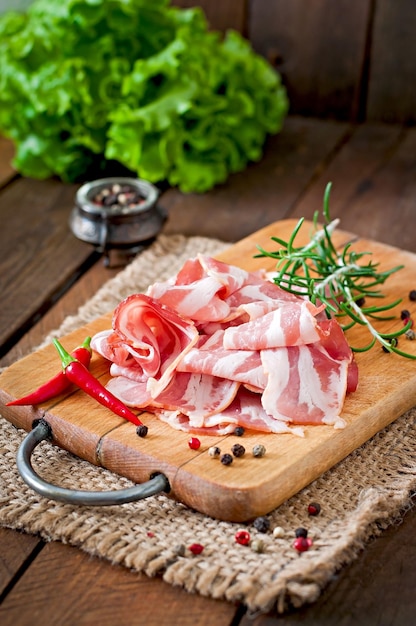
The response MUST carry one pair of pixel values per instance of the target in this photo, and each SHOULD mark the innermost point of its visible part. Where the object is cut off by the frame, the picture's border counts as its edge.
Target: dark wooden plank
(40, 256)
(220, 15)
(391, 95)
(66, 586)
(319, 49)
(85, 287)
(15, 549)
(374, 188)
(265, 191)
(6, 155)
(377, 589)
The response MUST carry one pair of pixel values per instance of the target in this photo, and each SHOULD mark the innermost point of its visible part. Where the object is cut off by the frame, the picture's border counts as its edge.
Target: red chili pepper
(59, 383)
(77, 373)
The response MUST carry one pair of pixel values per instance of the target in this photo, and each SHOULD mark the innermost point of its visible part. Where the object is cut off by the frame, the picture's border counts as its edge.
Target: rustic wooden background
(343, 63)
(351, 60)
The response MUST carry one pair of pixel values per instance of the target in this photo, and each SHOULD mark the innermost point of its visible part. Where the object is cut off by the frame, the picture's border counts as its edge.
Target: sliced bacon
(132, 392)
(245, 410)
(305, 384)
(216, 346)
(199, 289)
(152, 335)
(292, 324)
(198, 396)
(210, 357)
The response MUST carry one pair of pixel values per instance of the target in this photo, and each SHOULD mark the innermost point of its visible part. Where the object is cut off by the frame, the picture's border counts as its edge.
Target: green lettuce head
(138, 82)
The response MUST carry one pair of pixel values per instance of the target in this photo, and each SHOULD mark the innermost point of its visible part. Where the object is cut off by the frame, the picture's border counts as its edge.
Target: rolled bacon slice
(152, 336)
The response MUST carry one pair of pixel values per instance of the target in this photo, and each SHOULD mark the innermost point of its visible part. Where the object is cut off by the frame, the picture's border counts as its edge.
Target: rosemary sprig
(341, 280)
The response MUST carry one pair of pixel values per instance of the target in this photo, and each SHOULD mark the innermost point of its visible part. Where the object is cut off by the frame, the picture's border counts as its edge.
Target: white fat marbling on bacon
(179, 421)
(200, 289)
(245, 410)
(305, 384)
(291, 324)
(198, 301)
(210, 357)
(198, 396)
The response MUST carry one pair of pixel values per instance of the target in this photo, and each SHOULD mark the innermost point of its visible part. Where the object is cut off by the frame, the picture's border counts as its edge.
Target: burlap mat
(359, 497)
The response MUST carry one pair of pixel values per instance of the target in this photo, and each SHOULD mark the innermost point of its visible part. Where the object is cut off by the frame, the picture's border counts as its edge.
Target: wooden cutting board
(250, 486)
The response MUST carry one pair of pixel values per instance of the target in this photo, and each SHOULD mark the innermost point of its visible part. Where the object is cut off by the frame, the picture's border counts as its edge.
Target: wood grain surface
(251, 486)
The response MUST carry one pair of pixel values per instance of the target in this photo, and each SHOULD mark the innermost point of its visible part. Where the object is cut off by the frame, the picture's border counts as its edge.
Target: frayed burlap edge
(359, 497)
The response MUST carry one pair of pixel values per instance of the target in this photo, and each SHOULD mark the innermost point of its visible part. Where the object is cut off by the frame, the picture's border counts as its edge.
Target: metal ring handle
(42, 432)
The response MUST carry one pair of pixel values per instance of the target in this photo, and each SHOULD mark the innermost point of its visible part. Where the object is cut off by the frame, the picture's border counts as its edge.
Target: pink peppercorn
(194, 443)
(302, 544)
(196, 548)
(242, 537)
(314, 508)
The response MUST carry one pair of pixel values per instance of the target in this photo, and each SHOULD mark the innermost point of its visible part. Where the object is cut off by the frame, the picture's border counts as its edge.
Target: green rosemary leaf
(351, 313)
(346, 327)
(364, 348)
(386, 307)
(393, 335)
(401, 353)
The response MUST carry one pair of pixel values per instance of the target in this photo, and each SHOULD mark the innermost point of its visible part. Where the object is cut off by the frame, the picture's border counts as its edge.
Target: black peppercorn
(226, 459)
(405, 314)
(238, 450)
(301, 532)
(142, 430)
(239, 431)
(261, 524)
(412, 295)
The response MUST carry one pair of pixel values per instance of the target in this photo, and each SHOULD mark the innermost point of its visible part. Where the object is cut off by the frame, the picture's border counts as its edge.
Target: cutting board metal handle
(42, 432)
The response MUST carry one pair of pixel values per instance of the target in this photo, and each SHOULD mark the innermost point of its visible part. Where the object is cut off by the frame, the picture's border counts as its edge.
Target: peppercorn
(226, 459)
(278, 532)
(410, 334)
(242, 537)
(196, 548)
(314, 508)
(262, 524)
(405, 314)
(360, 302)
(116, 196)
(302, 544)
(194, 443)
(179, 550)
(259, 450)
(257, 545)
(239, 431)
(142, 430)
(412, 295)
(238, 450)
(214, 451)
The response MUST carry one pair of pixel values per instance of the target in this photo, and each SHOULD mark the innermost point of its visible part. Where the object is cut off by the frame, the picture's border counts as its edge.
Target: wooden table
(46, 274)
